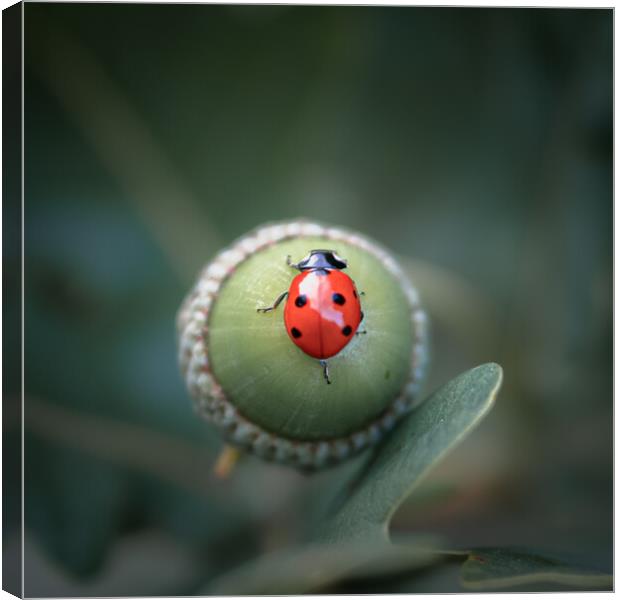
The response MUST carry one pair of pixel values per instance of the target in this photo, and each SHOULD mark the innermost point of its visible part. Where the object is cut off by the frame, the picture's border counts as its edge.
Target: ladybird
(323, 310)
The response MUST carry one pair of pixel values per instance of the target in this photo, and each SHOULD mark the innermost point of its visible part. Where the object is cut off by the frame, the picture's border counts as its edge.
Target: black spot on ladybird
(301, 300)
(295, 332)
(346, 330)
(338, 299)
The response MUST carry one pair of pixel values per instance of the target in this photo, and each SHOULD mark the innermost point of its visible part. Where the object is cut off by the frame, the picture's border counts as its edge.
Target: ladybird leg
(323, 363)
(360, 331)
(275, 304)
(361, 293)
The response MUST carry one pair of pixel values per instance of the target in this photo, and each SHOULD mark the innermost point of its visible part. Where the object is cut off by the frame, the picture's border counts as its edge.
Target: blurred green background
(475, 143)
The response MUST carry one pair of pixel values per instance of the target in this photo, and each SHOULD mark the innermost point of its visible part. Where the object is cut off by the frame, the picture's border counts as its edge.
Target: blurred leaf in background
(476, 143)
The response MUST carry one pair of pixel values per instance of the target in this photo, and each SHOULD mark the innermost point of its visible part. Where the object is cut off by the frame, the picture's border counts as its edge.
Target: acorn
(269, 397)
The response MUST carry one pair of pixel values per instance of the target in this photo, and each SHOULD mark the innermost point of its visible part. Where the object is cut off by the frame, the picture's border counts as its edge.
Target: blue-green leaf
(497, 568)
(422, 439)
(315, 567)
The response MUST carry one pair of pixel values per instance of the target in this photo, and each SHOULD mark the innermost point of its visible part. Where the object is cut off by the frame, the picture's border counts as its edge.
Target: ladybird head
(321, 259)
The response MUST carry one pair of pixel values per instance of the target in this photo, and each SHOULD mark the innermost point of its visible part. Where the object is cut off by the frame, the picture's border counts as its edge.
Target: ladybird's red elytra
(322, 313)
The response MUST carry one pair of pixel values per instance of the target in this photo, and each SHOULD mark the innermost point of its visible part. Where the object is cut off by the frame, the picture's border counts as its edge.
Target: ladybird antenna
(289, 262)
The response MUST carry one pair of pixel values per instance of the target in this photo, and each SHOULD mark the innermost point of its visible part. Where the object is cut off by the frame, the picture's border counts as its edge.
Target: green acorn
(248, 377)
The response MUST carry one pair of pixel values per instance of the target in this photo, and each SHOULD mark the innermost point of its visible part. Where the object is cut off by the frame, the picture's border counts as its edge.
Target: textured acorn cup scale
(269, 397)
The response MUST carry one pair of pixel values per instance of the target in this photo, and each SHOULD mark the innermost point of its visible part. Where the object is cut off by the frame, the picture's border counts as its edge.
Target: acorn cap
(265, 393)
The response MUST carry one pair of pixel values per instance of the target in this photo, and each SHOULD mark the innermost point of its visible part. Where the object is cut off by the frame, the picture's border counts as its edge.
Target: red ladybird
(323, 312)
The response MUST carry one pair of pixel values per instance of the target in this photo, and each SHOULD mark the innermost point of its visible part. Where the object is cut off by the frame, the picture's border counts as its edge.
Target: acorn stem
(226, 461)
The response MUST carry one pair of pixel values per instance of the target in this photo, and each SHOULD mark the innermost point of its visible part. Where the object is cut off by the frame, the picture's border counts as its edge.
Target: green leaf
(496, 568)
(315, 567)
(415, 446)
